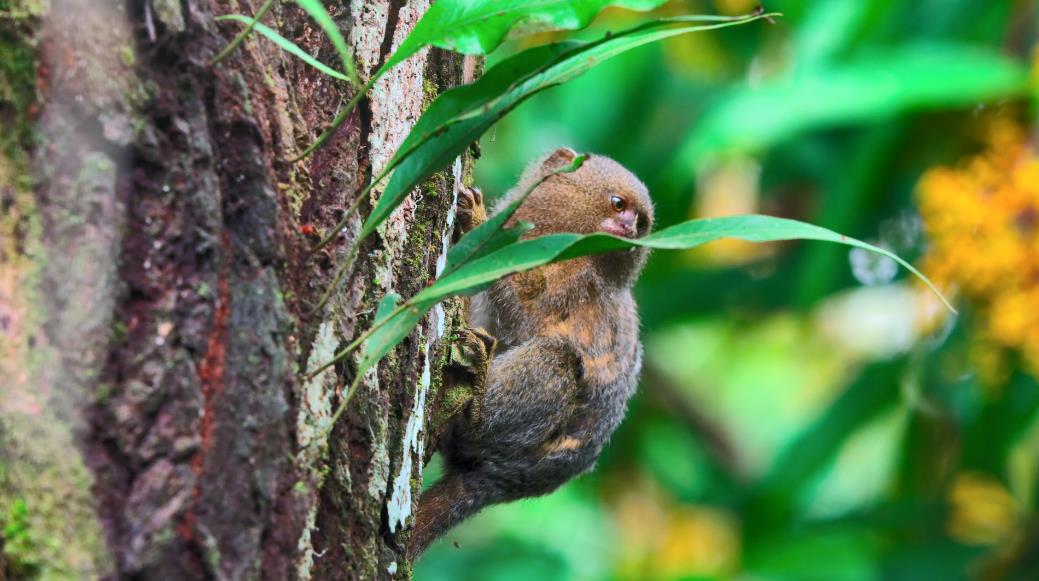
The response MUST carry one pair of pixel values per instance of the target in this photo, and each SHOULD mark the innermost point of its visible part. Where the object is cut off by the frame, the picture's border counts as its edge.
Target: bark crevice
(174, 284)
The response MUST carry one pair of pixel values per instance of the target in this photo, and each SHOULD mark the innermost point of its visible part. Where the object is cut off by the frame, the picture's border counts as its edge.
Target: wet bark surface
(173, 289)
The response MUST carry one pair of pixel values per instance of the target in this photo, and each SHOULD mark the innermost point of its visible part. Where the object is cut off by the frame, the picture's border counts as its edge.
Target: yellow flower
(700, 541)
(665, 539)
(1014, 316)
(982, 510)
(982, 221)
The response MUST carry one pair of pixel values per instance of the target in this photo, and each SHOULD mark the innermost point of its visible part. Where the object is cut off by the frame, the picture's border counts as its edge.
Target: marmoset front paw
(470, 210)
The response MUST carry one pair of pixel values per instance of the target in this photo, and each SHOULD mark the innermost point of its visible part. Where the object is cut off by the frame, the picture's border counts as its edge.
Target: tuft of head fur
(582, 202)
(578, 201)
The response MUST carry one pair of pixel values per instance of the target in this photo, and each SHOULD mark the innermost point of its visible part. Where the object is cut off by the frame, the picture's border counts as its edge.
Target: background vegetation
(806, 412)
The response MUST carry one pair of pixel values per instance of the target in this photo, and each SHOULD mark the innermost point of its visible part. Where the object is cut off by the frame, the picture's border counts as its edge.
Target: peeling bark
(155, 293)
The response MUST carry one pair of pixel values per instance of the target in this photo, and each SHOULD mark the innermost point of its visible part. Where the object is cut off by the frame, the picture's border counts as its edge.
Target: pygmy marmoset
(567, 357)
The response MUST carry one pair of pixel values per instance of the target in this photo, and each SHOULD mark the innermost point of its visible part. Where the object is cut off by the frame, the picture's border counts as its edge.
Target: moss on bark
(157, 265)
(48, 515)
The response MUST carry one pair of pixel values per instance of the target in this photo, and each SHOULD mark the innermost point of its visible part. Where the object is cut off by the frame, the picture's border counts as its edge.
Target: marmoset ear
(561, 157)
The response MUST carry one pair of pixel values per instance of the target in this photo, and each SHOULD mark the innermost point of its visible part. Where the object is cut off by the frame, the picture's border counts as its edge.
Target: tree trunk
(156, 289)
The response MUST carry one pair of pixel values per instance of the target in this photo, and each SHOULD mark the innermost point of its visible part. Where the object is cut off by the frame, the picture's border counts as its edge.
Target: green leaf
(530, 254)
(479, 26)
(518, 257)
(851, 552)
(875, 86)
(461, 116)
(874, 391)
(395, 323)
(998, 426)
(287, 45)
(496, 240)
(420, 155)
(321, 16)
(489, 236)
(828, 29)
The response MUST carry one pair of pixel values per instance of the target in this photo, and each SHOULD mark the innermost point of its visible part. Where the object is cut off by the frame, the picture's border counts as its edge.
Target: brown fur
(568, 353)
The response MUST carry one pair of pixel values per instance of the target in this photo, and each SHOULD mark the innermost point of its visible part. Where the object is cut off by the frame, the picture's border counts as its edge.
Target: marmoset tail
(568, 354)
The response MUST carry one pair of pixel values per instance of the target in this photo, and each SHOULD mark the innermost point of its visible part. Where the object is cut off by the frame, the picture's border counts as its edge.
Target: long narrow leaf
(498, 92)
(477, 274)
(287, 45)
(395, 325)
(420, 155)
(872, 86)
(553, 248)
(478, 27)
(440, 115)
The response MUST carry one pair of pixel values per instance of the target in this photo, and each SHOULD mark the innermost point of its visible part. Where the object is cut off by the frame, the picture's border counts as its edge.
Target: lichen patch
(399, 507)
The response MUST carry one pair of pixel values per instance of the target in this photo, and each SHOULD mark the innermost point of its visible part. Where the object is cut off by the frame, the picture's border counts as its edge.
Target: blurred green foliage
(798, 418)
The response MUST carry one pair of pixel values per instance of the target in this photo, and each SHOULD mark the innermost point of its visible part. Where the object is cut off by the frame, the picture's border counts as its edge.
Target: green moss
(119, 330)
(128, 56)
(295, 193)
(456, 397)
(103, 392)
(48, 526)
(414, 262)
(429, 93)
(47, 517)
(21, 547)
(17, 76)
(431, 187)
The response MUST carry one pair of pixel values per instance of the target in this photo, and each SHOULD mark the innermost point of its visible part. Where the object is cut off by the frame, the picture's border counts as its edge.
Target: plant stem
(243, 34)
(346, 218)
(339, 118)
(346, 264)
(339, 410)
(357, 342)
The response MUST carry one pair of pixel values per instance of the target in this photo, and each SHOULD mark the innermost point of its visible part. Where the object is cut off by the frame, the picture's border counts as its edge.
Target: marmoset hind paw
(476, 347)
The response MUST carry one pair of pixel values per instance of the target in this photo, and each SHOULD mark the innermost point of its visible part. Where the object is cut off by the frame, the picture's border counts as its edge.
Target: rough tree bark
(155, 287)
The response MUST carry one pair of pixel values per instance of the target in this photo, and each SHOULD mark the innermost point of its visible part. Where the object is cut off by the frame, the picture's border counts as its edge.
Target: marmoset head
(601, 196)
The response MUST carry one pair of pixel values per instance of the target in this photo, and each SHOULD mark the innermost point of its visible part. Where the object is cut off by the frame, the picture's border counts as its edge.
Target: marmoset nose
(629, 220)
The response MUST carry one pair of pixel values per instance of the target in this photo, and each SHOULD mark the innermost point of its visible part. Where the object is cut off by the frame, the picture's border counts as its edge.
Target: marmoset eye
(618, 203)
